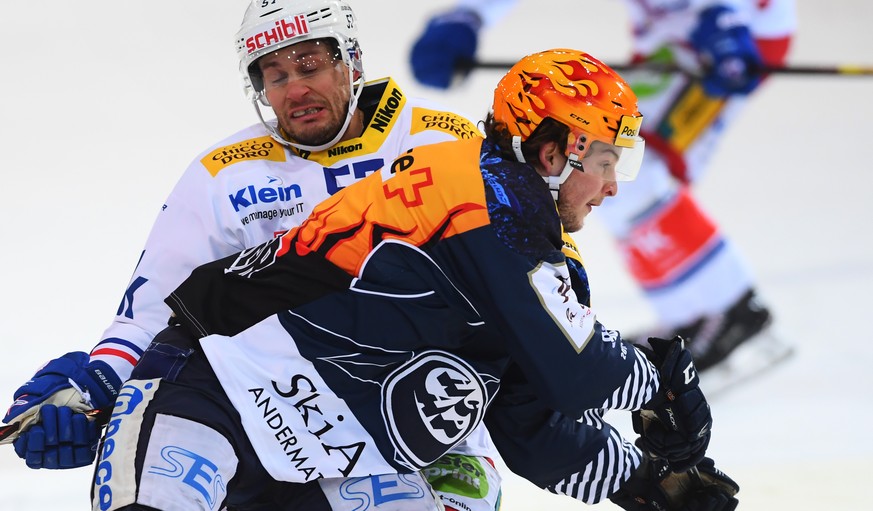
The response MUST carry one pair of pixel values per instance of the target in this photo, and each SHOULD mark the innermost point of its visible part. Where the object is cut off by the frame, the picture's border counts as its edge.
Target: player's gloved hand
(731, 60)
(51, 411)
(448, 39)
(676, 423)
(654, 487)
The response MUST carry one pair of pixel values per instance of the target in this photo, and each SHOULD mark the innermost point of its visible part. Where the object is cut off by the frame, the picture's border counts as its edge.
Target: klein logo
(249, 196)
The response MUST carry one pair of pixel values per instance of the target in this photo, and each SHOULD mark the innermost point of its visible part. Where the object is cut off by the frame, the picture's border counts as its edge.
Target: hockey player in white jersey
(302, 64)
(689, 270)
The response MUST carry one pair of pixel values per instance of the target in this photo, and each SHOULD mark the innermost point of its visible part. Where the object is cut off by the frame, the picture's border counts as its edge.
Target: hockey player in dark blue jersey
(433, 296)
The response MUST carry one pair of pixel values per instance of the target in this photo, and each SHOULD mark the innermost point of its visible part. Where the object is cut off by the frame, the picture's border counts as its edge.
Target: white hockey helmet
(270, 26)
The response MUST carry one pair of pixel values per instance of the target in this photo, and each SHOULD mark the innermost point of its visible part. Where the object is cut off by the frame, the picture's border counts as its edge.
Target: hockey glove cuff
(653, 487)
(675, 424)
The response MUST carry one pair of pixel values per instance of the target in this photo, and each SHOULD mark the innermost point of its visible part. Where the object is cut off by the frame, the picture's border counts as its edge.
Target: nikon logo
(341, 150)
(385, 114)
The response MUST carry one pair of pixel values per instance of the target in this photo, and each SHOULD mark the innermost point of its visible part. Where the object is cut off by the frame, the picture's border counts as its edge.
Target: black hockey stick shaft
(804, 70)
(7, 431)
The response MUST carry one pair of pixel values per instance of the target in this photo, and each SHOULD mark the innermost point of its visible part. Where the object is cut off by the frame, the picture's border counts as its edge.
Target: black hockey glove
(653, 487)
(675, 424)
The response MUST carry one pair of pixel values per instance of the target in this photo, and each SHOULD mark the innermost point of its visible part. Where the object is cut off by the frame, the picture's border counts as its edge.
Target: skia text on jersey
(387, 110)
(304, 397)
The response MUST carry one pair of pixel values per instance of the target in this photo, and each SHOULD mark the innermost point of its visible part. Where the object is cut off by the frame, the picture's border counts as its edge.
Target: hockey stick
(805, 70)
(8, 432)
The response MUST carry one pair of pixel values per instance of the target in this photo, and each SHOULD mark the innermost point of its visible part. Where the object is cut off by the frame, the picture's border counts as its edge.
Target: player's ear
(551, 159)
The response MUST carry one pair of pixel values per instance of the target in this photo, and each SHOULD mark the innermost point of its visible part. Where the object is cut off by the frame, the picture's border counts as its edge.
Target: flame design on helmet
(569, 86)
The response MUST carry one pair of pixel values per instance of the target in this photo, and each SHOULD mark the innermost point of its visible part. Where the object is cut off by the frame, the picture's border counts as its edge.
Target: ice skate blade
(752, 359)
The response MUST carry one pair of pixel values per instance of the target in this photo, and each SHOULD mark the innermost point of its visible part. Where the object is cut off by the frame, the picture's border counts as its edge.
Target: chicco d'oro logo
(435, 396)
(264, 148)
(459, 127)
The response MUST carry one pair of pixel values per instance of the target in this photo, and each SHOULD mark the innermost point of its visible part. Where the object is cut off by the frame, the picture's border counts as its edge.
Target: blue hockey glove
(675, 424)
(447, 40)
(53, 412)
(654, 487)
(731, 60)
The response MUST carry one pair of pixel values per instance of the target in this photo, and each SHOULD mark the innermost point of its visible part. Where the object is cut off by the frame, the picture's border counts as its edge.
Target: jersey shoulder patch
(261, 148)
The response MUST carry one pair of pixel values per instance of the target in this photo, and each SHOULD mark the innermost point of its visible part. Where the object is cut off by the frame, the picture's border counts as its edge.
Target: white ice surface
(103, 103)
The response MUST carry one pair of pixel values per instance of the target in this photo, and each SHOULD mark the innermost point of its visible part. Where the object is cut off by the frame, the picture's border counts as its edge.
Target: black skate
(733, 346)
(712, 338)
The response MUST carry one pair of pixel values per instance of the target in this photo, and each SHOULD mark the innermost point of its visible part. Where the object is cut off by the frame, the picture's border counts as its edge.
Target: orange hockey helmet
(578, 90)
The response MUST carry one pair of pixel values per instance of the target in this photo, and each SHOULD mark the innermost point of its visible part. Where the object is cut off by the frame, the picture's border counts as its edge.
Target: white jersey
(248, 188)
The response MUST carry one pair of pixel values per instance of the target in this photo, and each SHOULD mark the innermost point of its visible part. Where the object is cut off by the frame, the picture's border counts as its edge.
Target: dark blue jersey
(406, 302)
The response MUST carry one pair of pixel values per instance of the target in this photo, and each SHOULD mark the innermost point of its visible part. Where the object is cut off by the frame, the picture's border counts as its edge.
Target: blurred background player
(689, 271)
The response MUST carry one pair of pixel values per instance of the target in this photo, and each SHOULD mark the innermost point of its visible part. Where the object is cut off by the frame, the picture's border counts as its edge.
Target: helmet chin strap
(555, 182)
(516, 148)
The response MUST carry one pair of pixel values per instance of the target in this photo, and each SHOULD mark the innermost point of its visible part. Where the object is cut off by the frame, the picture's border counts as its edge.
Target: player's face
(308, 88)
(582, 191)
